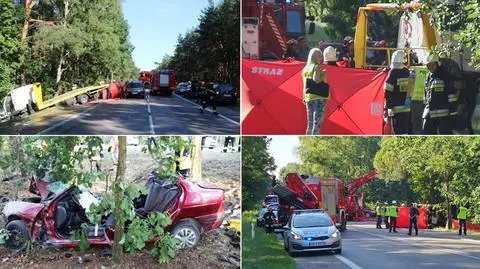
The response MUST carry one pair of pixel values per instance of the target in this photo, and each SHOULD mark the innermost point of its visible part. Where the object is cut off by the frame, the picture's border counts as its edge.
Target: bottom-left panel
(122, 202)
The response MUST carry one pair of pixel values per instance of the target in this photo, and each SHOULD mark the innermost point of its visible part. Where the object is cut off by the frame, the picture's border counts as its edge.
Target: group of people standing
(389, 214)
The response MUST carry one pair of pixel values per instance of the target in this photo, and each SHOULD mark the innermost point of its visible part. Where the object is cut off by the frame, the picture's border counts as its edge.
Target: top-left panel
(114, 67)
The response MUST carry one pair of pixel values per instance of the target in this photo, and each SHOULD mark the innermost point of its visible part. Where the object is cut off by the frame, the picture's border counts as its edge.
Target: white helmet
(398, 59)
(329, 54)
(394, 202)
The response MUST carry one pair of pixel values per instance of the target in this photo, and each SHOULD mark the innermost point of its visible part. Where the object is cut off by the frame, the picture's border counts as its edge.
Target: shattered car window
(57, 187)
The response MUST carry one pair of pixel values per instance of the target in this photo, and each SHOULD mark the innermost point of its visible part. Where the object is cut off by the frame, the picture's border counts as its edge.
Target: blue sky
(282, 148)
(155, 25)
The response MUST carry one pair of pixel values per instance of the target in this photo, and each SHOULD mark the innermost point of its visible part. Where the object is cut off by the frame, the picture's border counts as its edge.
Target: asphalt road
(158, 116)
(366, 247)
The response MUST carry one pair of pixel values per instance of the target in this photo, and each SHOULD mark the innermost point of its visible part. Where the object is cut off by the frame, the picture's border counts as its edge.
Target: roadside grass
(263, 252)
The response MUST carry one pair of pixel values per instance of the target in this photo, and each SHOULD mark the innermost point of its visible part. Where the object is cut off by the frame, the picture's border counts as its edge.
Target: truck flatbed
(63, 97)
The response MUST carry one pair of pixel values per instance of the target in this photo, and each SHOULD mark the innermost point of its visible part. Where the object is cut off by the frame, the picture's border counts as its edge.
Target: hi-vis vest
(387, 211)
(379, 211)
(184, 163)
(462, 214)
(420, 73)
(396, 88)
(308, 74)
(393, 211)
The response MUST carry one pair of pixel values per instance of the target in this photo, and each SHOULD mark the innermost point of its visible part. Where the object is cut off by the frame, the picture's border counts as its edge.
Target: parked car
(133, 140)
(135, 89)
(194, 91)
(194, 209)
(183, 88)
(369, 213)
(228, 94)
(311, 230)
(209, 142)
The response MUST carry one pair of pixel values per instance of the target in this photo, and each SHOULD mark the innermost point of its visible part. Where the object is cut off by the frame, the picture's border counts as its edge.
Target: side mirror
(311, 28)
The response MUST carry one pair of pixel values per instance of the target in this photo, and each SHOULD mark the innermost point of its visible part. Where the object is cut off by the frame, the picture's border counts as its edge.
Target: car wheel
(82, 99)
(289, 250)
(338, 251)
(18, 235)
(187, 233)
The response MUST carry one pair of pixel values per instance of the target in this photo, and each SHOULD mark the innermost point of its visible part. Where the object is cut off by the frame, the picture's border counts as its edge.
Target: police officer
(436, 115)
(393, 211)
(209, 97)
(386, 214)
(269, 218)
(413, 213)
(379, 212)
(397, 96)
(462, 220)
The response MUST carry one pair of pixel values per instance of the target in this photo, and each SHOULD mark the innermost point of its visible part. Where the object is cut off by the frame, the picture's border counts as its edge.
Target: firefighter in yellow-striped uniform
(436, 115)
(397, 94)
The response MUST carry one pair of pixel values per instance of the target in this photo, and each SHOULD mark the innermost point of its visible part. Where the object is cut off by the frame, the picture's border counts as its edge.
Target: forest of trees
(439, 170)
(210, 51)
(62, 43)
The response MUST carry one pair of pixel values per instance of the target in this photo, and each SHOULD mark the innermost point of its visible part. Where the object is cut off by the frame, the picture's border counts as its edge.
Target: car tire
(188, 232)
(19, 233)
(338, 251)
(82, 99)
(289, 250)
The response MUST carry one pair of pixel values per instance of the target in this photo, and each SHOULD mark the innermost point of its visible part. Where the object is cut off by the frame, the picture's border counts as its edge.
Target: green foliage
(291, 168)
(82, 235)
(163, 149)
(62, 157)
(211, 51)
(165, 248)
(4, 236)
(439, 169)
(342, 157)
(10, 48)
(256, 165)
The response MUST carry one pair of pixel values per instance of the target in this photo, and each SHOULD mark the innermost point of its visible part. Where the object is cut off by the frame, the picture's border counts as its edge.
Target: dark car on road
(135, 89)
(227, 94)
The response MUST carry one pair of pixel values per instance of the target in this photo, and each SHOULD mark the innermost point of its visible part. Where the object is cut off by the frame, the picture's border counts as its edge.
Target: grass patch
(263, 252)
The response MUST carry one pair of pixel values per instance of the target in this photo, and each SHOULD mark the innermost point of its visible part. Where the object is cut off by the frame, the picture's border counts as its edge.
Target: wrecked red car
(194, 209)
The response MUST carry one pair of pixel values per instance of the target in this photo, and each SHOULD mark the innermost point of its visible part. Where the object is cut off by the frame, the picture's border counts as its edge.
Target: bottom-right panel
(361, 202)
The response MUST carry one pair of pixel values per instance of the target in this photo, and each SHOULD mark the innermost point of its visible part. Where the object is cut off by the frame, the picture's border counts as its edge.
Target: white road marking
(55, 126)
(348, 262)
(416, 243)
(208, 109)
(150, 118)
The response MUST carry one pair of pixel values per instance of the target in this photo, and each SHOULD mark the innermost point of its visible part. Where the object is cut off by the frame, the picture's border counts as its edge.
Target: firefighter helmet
(398, 59)
(329, 54)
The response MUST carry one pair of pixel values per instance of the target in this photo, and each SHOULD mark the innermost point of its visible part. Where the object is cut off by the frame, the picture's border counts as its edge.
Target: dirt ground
(221, 169)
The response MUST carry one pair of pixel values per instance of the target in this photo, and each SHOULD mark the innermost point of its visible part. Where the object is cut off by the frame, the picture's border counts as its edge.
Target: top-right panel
(360, 67)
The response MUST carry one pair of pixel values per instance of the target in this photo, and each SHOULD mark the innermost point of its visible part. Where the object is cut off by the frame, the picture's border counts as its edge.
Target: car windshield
(311, 220)
(136, 85)
(270, 200)
(262, 212)
(225, 87)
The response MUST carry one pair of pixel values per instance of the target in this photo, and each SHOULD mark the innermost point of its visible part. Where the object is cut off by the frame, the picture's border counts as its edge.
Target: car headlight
(336, 234)
(296, 236)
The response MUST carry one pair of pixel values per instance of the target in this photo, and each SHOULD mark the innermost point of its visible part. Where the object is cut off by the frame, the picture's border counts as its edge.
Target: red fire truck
(268, 24)
(163, 82)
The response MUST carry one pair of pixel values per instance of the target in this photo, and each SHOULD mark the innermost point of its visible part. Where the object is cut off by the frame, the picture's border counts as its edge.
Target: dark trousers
(206, 102)
(416, 117)
(387, 225)
(433, 126)
(393, 224)
(401, 122)
(460, 223)
(413, 222)
(379, 222)
(268, 228)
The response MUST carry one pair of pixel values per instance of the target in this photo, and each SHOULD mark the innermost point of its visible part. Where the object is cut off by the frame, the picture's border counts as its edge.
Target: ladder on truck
(289, 196)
